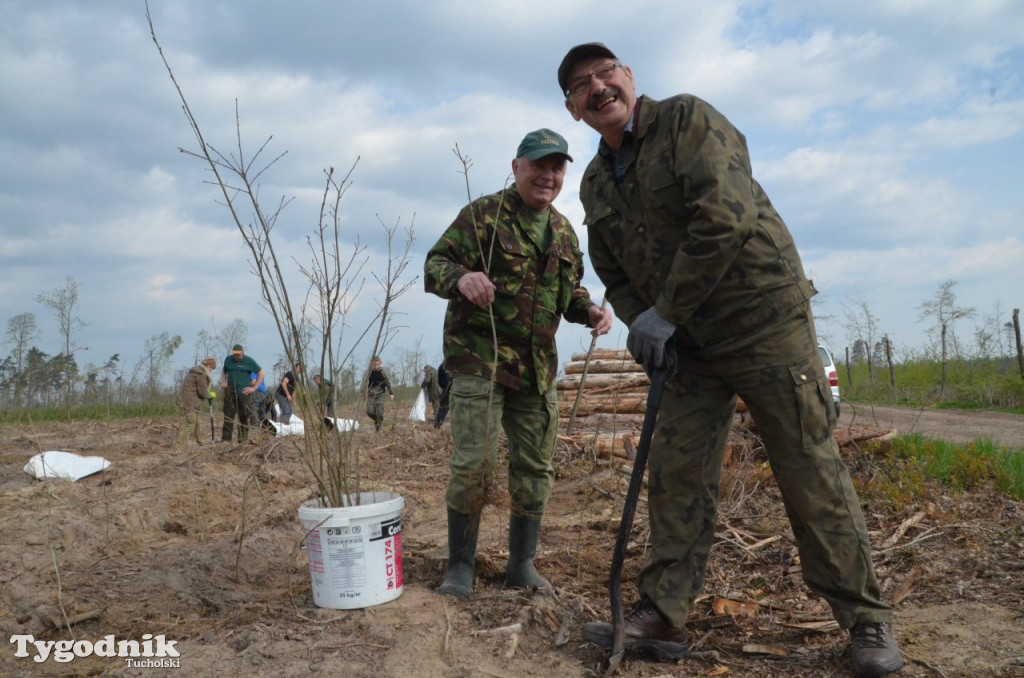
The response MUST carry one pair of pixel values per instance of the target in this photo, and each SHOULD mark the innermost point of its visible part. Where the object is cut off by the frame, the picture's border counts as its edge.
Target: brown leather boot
(875, 651)
(646, 630)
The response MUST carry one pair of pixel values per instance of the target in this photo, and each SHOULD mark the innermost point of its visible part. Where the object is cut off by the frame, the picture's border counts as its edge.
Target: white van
(830, 372)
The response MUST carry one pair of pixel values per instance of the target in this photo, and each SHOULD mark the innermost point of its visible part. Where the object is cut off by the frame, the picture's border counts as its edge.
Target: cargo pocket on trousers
(814, 403)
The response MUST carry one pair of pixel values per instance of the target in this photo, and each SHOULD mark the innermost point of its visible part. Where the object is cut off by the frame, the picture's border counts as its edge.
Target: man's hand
(476, 287)
(647, 338)
(600, 319)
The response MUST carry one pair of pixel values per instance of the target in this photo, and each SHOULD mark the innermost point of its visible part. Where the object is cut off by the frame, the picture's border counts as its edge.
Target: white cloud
(888, 134)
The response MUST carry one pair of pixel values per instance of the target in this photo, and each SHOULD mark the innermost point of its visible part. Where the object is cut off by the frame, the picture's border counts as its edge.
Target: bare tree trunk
(1020, 350)
(942, 384)
(888, 359)
(849, 375)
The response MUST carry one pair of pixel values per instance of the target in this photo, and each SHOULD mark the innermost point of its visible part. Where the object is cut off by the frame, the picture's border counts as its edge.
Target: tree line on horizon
(987, 369)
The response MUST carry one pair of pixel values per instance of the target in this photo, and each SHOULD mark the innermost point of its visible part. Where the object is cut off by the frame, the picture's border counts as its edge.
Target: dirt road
(957, 426)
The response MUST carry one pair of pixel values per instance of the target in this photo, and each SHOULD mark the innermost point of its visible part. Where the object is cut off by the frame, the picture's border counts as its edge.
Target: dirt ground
(957, 426)
(204, 546)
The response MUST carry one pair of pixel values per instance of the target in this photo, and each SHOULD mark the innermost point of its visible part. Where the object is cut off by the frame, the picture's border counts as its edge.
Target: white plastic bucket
(355, 552)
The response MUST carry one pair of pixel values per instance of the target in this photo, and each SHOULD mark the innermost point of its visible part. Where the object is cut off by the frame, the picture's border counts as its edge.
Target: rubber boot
(462, 532)
(523, 533)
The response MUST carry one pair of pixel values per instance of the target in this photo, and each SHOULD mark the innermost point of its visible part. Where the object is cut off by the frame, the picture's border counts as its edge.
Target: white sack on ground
(66, 465)
(342, 424)
(419, 409)
(294, 427)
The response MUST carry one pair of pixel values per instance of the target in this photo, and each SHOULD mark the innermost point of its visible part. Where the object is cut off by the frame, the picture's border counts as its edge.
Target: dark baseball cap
(237, 348)
(587, 50)
(542, 142)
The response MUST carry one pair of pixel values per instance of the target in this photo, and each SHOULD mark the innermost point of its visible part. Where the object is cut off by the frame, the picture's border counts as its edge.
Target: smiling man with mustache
(704, 271)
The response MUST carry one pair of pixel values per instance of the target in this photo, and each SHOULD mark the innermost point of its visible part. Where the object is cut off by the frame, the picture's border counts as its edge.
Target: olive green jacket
(195, 388)
(690, 231)
(534, 290)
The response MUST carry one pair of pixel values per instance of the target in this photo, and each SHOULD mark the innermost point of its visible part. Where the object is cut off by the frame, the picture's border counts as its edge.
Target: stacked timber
(602, 410)
(602, 401)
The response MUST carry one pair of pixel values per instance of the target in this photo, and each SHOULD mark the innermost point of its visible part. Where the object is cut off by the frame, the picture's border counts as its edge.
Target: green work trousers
(530, 421)
(778, 372)
(236, 406)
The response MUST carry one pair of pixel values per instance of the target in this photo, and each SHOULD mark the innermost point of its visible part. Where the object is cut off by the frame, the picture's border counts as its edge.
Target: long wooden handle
(628, 512)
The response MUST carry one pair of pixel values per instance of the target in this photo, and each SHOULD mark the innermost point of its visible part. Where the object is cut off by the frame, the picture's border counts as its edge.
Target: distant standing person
(377, 387)
(237, 385)
(325, 389)
(509, 261)
(445, 382)
(431, 388)
(195, 392)
(284, 396)
(260, 401)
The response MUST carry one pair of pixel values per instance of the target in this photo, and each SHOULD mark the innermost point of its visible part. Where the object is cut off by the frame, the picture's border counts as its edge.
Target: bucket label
(393, 562)
(387, 529)
(346, 552)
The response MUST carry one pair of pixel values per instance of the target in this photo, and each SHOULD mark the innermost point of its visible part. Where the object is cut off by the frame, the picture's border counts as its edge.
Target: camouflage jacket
(534, 290)
(689, 231)
(430, 384)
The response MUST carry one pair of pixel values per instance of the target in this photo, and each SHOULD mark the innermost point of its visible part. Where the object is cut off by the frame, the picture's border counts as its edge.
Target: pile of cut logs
(604, 416)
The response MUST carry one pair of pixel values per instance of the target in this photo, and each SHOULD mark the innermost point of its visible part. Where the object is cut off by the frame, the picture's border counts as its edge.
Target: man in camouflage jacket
(431, 388)
(510, 267)
(704, 271)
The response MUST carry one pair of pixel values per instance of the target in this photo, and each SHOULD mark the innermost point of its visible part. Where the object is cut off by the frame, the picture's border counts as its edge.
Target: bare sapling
(311, 325)
(486, 253)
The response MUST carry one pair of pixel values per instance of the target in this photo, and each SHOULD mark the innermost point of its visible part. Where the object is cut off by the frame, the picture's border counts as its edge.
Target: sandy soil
(959, 426)
(204, 546)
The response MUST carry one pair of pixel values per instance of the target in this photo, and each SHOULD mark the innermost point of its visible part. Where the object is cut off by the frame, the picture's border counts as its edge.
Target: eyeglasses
(582, 84)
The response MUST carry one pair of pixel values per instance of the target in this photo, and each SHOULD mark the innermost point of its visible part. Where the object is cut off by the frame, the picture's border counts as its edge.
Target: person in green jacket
(238, 386)
(703, 270)
(509, 261)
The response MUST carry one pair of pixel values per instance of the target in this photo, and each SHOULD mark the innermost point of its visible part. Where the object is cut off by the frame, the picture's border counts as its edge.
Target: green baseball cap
(542, 142)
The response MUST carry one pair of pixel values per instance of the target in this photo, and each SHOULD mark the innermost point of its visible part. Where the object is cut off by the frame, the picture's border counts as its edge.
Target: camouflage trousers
(236, 406)
(375, 406)
(778, 372)
(530, 422)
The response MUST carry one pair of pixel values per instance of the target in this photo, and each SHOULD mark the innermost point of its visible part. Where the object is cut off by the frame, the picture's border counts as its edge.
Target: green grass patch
(916, 460)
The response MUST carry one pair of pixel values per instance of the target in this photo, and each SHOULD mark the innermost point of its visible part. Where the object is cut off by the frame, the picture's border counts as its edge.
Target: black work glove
(647, 338)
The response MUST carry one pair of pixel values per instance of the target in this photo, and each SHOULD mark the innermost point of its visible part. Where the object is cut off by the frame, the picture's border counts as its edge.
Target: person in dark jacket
(701, 267)
(378, 387)
(284, 396)
(445, 382)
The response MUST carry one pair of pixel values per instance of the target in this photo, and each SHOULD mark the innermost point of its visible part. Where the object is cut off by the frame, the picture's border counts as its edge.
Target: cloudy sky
(888, 133)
